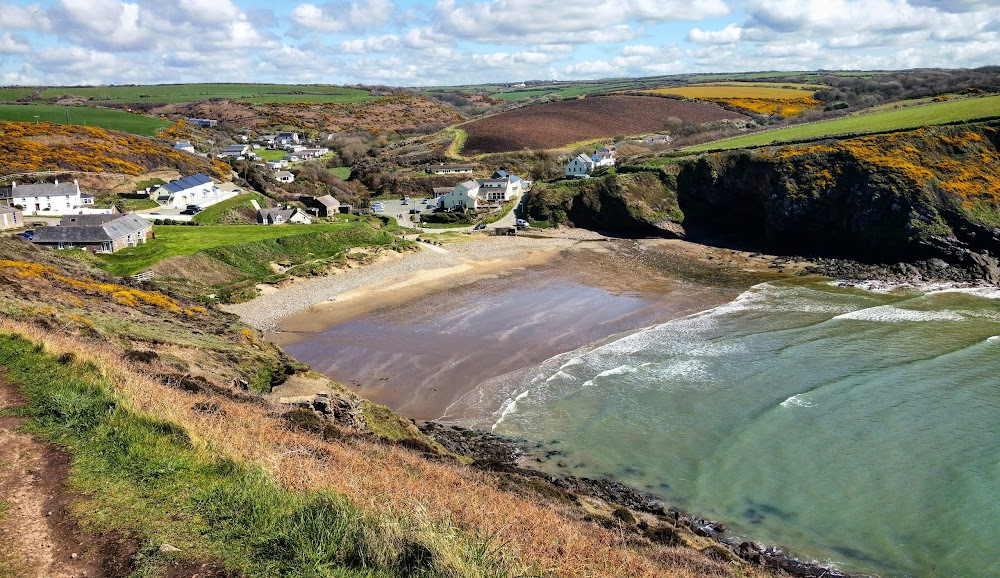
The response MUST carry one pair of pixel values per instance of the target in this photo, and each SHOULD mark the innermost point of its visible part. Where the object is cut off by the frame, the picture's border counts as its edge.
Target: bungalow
(297, 157)
(325, 206)
(234, 150)
(284, 177)
(266, 140)
(97, 233)
(193, 190)
(443, 169)
(282, 216)
(10, 218)
(183, 145)
(276, 165)
(56, 197)
(463, 197)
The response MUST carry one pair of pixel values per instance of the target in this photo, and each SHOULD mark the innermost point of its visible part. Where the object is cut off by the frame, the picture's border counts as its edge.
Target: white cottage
(580, 166)
(53, 198)
(464, 196)
(194, 190)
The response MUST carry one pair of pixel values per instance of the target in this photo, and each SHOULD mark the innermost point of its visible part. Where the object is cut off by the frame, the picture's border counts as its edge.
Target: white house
(183, 145)
(283, 216)
(194, 190)
(277, 165)
(284, 177)
(56, 198)
(604, 157)
(501, 187)
(286, 138)
(235, 151)
(580, 166)
(463, 196)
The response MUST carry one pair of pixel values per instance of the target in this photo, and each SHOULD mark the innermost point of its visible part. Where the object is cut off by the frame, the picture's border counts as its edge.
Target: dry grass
(390, 481)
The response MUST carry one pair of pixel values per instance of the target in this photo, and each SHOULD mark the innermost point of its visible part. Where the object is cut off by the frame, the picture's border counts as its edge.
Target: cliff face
(928, 193)
(636, 203)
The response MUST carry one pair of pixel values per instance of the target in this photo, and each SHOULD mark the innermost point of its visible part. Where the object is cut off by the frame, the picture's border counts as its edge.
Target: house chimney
(57, 181)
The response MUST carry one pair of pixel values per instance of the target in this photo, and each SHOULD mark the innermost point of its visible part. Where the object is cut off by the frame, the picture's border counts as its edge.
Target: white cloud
(383, 43)
(13, 44)
(340, 16)
(30, 17)
(728, 35)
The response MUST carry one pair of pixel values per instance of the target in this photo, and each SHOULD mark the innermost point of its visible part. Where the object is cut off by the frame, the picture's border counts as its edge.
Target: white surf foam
(986, 292)
(797, 402)
(891, 314)
(509, 407)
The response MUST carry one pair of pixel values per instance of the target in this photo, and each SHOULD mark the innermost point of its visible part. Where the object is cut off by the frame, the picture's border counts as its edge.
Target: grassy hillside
(228, 211)
(83, 116)
(883, 120)
(177, 93)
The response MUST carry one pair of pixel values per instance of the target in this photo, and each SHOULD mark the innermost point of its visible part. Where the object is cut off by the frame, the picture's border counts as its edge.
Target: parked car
(414, 211)
(521, 223)
(479, 227)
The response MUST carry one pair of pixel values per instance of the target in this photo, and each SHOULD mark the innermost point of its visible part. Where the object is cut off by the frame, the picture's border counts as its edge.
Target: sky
(454, 42)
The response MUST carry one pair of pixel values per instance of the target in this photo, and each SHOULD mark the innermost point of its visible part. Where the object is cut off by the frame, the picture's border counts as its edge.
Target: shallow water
(852, 427)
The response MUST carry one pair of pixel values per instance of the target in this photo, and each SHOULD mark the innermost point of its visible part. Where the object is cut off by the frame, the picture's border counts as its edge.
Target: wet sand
(421, 347)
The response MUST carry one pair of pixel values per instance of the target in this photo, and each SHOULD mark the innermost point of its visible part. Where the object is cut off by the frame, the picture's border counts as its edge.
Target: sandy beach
(418, 331)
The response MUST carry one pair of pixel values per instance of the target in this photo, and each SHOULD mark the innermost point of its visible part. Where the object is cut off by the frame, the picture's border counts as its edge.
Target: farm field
(178, 93)
(769, 98)
(173, 240)
(84, 116)
(563, 123)
(906, 118)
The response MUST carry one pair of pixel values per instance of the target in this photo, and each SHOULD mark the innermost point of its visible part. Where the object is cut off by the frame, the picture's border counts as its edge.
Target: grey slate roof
(91, 228)
(44, 189)
(187, 183)
(328, 201)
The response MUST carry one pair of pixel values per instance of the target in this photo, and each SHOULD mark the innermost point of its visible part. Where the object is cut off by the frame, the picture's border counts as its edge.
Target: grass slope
(84, 116)
(148, 476)
(177, 93)
(174, 240)
(902, 119)
(212, 214)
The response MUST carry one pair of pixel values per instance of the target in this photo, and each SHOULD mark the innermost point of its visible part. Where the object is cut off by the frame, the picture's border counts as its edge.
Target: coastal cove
(707, 380)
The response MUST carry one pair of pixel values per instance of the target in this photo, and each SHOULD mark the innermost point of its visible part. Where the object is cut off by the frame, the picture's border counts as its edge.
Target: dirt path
(38, 539)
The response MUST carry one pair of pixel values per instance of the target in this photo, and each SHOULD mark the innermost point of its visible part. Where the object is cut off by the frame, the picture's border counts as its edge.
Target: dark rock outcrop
(907, 196)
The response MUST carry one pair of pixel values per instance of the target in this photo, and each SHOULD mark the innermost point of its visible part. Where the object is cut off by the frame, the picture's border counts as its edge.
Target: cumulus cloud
(341, 16)
(30, 17)
(728, 35)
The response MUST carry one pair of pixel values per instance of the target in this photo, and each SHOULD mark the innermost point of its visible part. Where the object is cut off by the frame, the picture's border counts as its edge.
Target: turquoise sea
(852, 427)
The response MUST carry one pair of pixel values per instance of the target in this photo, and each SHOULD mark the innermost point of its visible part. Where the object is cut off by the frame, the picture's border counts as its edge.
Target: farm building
(284, 177)
(443, 169)
(57, 197)
(464, 196)
(97, 233)
(194, 190)
(282, 216)
(10, 218)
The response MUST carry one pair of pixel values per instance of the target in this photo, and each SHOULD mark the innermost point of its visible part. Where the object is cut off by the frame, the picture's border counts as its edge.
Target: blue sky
(435, 42)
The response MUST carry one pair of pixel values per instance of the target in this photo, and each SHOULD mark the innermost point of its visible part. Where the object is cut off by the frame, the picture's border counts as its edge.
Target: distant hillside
(559, 124)
(30, 147)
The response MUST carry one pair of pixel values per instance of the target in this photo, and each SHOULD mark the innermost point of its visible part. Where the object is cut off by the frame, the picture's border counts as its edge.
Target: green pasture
(342, 173)
(175, 93)
(85, 116)
(887, 120)
(270, 154)
(172, 240)
(13, 94)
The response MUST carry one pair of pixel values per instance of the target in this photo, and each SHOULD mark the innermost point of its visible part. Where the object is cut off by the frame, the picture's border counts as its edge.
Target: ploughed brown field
(558, 124)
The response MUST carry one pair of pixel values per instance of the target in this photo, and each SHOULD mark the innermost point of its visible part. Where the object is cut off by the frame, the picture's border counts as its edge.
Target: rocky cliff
(630, 203)
(906, 196)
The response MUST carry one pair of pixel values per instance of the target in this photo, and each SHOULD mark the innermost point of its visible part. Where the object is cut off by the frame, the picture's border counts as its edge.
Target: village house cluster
(499, 188)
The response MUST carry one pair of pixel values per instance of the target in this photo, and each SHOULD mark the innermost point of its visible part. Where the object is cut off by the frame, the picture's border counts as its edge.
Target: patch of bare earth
(38, 538)
(557, 124)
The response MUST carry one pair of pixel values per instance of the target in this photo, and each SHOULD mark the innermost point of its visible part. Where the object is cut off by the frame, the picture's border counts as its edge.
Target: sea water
(852, 427)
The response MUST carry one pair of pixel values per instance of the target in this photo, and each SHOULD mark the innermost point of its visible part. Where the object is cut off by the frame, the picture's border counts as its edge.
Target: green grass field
(172, 240)
(906, 118)
(174, 93)
(211, 215)
(342, 173)
(12, 94)
(270, 154)
(86, 116)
